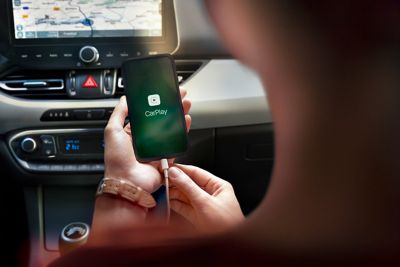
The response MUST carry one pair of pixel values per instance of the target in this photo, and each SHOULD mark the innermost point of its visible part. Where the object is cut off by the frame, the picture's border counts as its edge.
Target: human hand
(119, 156)
(208, 202)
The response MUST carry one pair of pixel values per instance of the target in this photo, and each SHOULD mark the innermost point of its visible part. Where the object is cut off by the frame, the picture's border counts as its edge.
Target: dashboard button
(28, 145)
(98, 114)
(89, 54)
(82, 114)
(48, 145)
(89, 114)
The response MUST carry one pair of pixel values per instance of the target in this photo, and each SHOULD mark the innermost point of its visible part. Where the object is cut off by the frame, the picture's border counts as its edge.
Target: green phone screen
(155, 107)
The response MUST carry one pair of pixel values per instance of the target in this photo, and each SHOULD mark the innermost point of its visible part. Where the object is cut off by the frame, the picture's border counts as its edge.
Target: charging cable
(165, 167)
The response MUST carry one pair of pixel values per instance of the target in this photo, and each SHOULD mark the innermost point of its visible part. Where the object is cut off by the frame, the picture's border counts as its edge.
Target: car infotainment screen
(42, 19)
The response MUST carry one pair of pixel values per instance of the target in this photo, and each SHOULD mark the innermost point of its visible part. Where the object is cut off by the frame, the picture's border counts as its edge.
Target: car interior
(60, 78)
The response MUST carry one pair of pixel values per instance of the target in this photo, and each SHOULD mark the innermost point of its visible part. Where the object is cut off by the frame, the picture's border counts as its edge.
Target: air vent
(35, 84)
(185, 70)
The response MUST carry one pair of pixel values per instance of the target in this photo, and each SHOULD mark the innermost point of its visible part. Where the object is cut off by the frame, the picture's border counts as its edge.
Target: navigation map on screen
(86, 18)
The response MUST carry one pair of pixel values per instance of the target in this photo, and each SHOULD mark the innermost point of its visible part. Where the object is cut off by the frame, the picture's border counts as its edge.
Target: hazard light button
(90, 82)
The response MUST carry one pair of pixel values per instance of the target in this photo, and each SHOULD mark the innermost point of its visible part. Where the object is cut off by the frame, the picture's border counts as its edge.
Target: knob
(89, 54)
(28, 145)
(73, 236)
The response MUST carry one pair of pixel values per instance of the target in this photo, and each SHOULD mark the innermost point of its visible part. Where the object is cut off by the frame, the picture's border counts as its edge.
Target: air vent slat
(35, 84)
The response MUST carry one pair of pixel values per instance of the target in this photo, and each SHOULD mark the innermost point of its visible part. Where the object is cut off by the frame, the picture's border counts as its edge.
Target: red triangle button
(90, 82)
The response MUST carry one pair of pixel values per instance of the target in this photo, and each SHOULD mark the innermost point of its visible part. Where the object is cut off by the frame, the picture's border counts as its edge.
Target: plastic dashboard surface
(223, 92)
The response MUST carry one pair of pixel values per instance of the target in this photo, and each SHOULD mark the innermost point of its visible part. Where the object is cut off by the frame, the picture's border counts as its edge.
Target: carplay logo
(154, 100)
(156, 112)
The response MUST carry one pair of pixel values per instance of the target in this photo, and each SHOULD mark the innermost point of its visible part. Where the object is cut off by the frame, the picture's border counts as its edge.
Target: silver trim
(44, 82)
(33, 83)
(119, 83)
(178, 36)
(95, 57)
(26, 140)
(79, 240)
(24, 163)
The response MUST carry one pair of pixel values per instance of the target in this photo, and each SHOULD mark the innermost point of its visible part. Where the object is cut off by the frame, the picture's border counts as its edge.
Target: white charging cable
(165, 167)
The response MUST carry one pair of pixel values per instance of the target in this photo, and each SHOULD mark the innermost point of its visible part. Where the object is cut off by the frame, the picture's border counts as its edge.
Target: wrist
(108, 208)
(124, 189)
(131, 176)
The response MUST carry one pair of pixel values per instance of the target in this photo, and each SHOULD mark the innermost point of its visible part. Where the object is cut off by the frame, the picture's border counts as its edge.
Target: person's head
(263, 33)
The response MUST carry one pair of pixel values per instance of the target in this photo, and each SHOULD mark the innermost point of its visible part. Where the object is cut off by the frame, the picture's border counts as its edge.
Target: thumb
(186, 185)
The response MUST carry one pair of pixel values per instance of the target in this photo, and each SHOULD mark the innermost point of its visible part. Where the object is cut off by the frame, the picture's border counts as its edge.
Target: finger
(119, 114)
(127, 129)
(203, 178)
(188, 121)
(187, 186)
(176, 194)
(185, 210)
(187, 104)
(183, 92)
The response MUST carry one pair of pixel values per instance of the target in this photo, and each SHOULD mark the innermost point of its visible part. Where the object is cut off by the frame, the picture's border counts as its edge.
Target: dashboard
(60, 79)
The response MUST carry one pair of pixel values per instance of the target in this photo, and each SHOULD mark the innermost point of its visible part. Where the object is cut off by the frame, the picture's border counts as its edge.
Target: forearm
(113, 213)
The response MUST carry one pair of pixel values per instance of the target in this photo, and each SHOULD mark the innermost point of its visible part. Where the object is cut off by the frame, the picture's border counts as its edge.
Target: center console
(60, 76)
(59, 150)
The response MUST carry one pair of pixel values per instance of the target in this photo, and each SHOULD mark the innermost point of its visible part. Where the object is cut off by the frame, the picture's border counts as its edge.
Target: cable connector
(165, 167)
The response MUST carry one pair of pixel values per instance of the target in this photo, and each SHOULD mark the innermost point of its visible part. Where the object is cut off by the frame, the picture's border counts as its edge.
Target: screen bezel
(168, 29)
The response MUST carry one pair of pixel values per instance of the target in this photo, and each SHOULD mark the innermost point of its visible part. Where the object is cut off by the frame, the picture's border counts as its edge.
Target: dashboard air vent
(185, 69)
(35, 84)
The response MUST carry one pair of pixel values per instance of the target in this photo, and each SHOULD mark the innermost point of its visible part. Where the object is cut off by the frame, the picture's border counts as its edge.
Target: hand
(119, 157)
(205, 200)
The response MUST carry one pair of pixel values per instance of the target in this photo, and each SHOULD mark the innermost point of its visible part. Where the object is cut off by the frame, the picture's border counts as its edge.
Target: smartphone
(155, 107)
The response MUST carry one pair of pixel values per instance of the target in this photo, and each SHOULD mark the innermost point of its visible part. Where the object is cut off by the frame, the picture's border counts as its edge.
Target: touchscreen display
(87, 18)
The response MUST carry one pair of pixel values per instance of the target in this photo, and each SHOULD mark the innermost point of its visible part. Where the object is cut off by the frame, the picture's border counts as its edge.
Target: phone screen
(155, 107)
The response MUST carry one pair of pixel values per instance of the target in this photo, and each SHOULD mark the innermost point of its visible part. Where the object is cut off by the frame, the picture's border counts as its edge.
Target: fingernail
(174, 172)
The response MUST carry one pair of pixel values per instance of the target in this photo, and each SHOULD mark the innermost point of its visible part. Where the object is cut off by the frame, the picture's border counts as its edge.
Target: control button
(109, 111)
(48, 145)
(98, 114)
(24, 56)
(89, 54)
(89, 82)
(53, 55)
(124, 54)
(89, 114)
(110, 55)
(28, 145)
(82, 114)
(57, 115)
